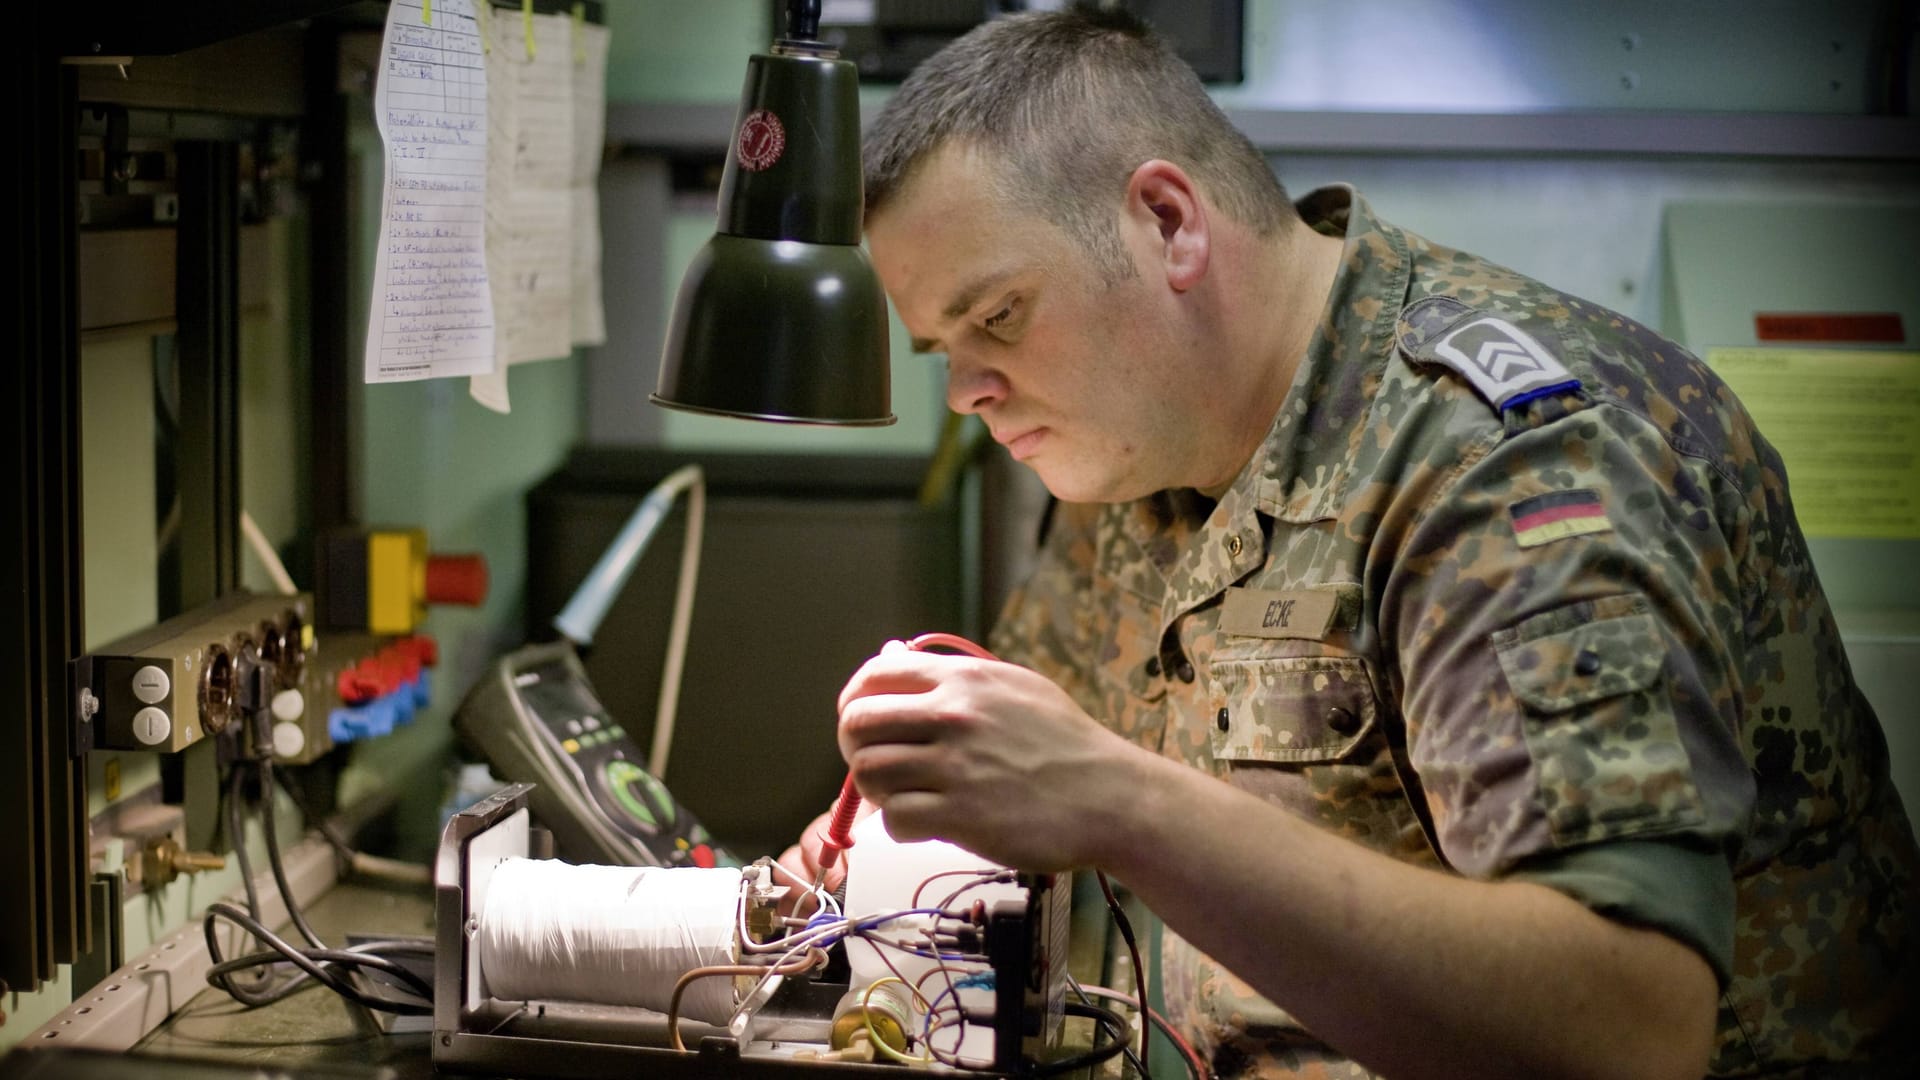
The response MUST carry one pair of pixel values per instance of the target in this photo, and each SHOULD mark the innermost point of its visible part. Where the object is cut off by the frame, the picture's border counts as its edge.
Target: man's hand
(981, 753)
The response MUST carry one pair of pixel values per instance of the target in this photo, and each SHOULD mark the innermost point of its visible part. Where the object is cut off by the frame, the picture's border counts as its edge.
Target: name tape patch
(1558, 515)
(1503, 362)
(1279, 613)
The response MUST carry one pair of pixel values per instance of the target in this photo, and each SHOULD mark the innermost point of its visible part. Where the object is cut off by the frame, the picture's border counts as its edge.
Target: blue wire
(877, 920)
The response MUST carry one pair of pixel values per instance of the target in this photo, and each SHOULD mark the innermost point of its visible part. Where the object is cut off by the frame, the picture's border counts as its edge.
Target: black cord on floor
(333, 968)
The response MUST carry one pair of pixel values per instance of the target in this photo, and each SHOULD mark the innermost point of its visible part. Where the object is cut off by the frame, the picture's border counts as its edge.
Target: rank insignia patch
(1558, 515)
(1503, 362)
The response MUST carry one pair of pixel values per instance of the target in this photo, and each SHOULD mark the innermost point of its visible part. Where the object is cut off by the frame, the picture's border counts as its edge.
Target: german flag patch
(1558, 515)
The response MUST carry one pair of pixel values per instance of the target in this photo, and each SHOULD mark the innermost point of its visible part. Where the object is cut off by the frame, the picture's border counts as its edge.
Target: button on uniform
(1220, 719)
(1183, 670)
(1586, 662)
(1153, 667)
(1234, 545)
(1342, 721)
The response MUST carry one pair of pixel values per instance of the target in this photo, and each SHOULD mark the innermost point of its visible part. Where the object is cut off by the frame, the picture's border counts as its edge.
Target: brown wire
(791, 966)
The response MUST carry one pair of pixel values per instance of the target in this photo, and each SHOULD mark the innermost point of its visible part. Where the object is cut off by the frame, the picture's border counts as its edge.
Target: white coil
(610, 935)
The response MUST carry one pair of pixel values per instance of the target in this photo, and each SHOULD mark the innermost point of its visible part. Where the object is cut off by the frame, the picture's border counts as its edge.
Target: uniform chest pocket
(1292, 709)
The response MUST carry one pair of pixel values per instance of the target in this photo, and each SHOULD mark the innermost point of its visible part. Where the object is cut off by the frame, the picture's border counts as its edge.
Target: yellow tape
(426, 12)
(526, 20)
(579, 32)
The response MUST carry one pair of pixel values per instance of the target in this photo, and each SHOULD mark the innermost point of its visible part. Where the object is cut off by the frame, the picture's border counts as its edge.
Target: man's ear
(1163, 202)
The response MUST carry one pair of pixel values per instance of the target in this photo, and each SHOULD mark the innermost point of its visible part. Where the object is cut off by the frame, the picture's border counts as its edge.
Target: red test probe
(840, 827)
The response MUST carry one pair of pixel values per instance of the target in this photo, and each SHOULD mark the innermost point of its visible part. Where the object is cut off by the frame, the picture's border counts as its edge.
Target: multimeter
(536, 719)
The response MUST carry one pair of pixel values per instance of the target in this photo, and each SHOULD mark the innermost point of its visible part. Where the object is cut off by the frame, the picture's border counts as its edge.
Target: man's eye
(999, 318)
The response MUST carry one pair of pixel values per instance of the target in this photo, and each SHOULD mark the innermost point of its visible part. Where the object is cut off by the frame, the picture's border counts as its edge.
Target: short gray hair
(1070, 103)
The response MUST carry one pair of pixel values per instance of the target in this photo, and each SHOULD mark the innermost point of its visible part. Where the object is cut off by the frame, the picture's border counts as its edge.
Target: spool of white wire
(610, 935)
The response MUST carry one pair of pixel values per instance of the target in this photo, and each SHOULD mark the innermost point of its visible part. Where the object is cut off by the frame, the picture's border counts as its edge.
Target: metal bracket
(109, 936)
(85, 705)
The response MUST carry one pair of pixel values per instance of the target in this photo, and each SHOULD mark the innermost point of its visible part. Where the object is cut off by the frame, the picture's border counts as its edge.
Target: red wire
(840, 826)
(951, 641)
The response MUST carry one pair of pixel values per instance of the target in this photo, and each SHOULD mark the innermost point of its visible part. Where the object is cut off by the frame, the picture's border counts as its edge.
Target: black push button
(1342, 721)
(1220, 719)
(1586, 662)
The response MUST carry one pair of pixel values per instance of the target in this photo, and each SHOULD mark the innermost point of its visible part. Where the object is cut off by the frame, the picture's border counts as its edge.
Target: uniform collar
(1299, 473)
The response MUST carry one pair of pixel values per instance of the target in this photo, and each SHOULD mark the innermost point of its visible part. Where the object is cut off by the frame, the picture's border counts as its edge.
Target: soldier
(1435, 653)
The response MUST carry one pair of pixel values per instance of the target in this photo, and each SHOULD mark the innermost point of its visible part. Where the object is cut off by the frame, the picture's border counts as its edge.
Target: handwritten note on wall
(543, 148)
(432, 314)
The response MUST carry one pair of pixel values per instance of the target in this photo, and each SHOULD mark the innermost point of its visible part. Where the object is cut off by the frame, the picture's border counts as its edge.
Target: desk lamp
(780, 316)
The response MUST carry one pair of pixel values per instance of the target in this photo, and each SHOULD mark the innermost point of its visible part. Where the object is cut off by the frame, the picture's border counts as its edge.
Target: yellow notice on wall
(1847, 424)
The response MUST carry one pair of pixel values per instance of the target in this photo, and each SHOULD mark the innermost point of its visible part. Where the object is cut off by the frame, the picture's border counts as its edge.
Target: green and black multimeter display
(536, 719)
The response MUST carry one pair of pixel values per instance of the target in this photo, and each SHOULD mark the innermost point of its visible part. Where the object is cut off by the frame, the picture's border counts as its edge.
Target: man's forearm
(1411, 971)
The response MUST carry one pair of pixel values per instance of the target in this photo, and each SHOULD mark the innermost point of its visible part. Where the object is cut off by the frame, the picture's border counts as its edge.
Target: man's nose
(973, 388)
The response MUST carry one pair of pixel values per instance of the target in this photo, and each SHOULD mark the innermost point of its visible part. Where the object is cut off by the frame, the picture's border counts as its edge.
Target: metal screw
(1630, 42)
(1629, 80)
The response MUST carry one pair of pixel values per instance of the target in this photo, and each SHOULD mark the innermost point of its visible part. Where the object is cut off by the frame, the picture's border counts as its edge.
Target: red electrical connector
(840, 827)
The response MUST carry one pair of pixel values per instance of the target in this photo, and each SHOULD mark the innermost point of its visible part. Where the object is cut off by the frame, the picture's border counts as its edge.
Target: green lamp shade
(779, 330)
(780, 316)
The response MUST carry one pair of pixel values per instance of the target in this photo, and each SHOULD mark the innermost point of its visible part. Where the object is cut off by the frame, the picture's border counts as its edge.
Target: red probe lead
(840, 828)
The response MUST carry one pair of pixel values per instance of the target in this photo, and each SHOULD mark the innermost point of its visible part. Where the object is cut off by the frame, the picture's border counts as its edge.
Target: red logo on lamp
(762, 138)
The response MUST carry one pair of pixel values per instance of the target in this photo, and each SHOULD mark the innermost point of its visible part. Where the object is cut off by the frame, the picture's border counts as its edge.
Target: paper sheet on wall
(589, 127)
(532, 68)
(1847, 424)
(432, 313)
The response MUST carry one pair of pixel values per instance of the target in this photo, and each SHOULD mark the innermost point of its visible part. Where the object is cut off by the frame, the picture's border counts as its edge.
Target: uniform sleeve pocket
(1581, 653)
(1600, 728)
(1294, 709)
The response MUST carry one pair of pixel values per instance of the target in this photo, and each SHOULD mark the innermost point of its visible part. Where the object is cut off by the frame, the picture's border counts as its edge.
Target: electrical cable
(269, 559)
(1121, 921)
(237, 839)
(273, 857)
(822, 897)
(358, 863)
(1107, 1019)
(1127, 1051)
(866, 1015)
(1196, 1066)
(332, 968)
(794, 965)
(682, 619)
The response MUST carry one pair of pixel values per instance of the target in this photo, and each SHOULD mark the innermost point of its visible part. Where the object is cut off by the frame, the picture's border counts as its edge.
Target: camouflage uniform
(1570, 635)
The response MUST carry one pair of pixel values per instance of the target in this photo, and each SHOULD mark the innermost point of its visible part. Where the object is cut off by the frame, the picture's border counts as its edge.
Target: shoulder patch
(1502, 362)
